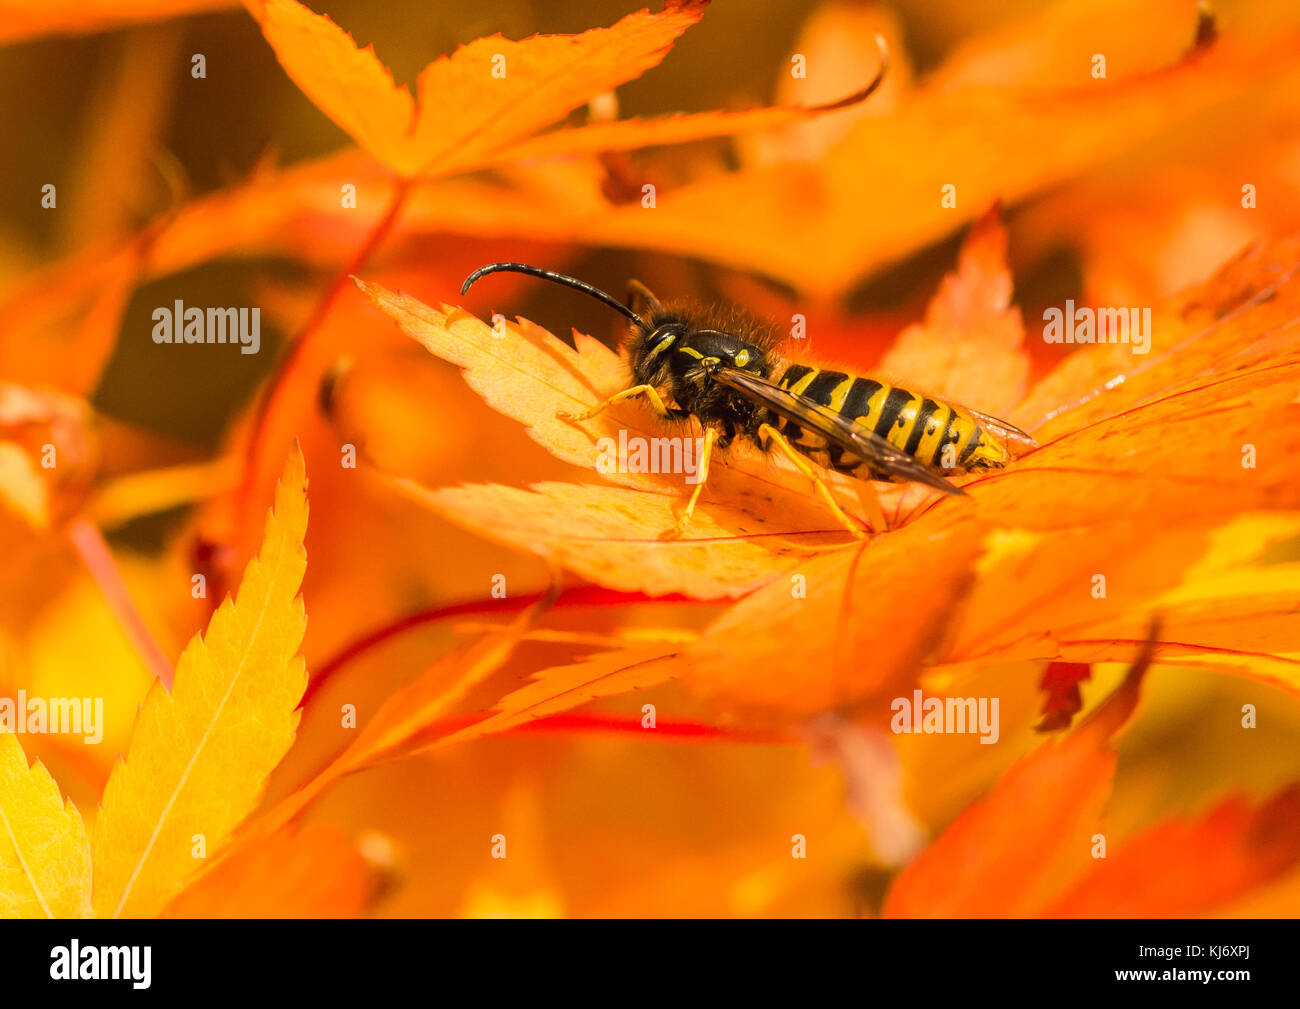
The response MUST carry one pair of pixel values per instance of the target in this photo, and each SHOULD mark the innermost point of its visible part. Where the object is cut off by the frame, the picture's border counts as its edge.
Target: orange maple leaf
(482, 104)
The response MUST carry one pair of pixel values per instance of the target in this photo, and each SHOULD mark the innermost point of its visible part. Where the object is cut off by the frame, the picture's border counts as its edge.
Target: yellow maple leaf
(44, 855)
(200, 756)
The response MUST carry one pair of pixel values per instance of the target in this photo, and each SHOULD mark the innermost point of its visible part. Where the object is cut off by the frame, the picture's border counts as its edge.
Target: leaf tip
(294, 478)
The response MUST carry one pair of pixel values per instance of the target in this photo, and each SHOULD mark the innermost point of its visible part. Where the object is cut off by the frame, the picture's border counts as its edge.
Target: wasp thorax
(679, 358)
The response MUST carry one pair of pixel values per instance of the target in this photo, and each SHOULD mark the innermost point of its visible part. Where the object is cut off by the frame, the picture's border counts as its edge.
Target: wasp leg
(768, 432)
(701, 476)
(648, 391)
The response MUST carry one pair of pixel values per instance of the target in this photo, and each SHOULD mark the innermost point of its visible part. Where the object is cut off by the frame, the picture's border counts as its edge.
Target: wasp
(721, 367)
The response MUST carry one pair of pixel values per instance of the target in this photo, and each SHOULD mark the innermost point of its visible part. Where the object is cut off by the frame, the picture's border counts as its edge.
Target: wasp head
(679, 354)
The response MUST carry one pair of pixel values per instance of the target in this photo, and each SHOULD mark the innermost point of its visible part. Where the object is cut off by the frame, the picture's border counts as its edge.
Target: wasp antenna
(556, 278)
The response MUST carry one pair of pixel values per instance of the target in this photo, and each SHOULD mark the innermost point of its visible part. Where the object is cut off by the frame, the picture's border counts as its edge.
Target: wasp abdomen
(921, 427)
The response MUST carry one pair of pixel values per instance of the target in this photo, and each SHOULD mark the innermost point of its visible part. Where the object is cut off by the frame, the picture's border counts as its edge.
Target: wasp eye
(742, 358)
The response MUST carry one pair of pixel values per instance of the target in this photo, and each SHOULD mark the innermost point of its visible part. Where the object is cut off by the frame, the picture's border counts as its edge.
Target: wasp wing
(1009, 432)
(866, 445)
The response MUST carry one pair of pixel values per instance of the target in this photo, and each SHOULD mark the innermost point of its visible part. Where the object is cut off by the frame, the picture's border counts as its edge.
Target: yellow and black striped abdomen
(915, 424)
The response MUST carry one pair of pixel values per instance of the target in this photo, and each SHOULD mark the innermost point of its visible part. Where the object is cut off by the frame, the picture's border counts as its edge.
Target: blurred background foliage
(116, 121)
